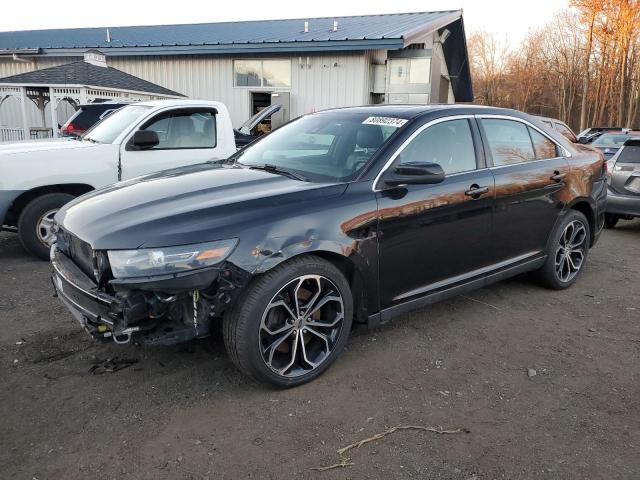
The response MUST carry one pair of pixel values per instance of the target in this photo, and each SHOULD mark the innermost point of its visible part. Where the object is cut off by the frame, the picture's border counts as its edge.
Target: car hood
(185, 205)
(54, 144)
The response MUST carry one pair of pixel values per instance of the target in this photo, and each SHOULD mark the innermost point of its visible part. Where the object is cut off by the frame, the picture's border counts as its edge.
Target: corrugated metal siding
(323, 85)
(328, 81)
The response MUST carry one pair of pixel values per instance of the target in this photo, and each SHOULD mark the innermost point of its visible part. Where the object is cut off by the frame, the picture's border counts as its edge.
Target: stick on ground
(346, 462)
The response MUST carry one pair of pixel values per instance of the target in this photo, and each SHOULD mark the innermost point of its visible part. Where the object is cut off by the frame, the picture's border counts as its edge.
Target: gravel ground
(545, 384)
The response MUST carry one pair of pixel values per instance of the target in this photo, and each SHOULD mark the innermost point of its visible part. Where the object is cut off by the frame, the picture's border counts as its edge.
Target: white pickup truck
(38, 177)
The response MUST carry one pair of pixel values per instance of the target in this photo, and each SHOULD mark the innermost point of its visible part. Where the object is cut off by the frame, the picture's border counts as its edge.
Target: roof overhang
(418, 35)
(236, 48)
(10, 52)
(457, 58)
(89, 87)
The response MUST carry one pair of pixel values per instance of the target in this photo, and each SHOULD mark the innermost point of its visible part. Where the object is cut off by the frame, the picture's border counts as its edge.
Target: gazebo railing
(37, 133)
(8, 134)
(11, 134)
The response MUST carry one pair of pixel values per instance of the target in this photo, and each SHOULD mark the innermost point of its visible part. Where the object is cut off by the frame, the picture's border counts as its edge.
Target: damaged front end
(158, 301)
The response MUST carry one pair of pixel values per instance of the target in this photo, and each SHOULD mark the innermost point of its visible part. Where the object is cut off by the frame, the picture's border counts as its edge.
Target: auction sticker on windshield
(388, 121)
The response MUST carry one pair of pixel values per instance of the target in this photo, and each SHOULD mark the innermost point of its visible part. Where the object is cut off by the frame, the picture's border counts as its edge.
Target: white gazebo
(80, 82)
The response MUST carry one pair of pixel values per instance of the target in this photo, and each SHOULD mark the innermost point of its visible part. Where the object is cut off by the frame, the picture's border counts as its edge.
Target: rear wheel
(610, 220)
(35, 224)
(291, 323)
(567, 252)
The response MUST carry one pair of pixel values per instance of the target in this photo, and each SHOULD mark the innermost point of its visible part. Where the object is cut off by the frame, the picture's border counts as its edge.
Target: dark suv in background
(88, 115)
(342, 216)
(623, 171)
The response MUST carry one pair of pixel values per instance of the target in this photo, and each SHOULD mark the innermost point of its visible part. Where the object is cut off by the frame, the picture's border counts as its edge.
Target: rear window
(630, 154)
(611, 140)
(87, 117)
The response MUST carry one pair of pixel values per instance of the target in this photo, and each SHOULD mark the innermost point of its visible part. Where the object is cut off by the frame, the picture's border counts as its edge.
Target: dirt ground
(185, 412)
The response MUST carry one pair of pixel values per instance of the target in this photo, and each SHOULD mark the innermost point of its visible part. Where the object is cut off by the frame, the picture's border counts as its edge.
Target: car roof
(178, 102)
(409, 111)
(107, 102)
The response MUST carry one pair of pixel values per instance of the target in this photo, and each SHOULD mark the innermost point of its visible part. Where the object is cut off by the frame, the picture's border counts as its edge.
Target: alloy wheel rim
(301, 325)
(571, 251)
(44, 227)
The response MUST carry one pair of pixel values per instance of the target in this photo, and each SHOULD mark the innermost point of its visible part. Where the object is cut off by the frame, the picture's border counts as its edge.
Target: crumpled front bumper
(137, 312)
(95, 310)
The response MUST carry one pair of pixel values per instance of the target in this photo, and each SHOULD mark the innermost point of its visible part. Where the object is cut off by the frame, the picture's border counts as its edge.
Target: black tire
(30, 221)
(243, 331)
(549, 275)
(610, 220)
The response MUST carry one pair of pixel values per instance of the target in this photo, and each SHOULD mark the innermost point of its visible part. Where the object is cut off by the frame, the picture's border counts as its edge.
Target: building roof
(356, 31)
(84, 73)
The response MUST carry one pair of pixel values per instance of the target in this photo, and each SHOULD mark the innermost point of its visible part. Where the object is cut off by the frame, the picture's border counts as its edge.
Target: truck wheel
(35, 224)
(291, 323)
(567, 252)
(610, 220)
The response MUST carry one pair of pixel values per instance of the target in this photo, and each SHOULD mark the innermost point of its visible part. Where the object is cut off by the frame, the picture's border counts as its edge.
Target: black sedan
(343, 216)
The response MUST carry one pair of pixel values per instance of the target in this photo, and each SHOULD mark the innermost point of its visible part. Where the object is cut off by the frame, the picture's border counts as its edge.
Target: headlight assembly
(146, 262)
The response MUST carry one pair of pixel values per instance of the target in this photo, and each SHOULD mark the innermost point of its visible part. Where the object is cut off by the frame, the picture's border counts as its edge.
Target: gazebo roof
(87, 74)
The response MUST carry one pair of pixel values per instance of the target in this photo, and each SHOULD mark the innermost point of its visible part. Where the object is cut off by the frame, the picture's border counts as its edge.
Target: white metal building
(305, 64)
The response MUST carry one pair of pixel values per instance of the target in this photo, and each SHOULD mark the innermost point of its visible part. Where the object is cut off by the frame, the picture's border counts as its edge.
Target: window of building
(262, 73)
(449, 144)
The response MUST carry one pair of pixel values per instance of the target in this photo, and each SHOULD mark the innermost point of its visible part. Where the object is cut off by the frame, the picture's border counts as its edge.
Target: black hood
(192, 204)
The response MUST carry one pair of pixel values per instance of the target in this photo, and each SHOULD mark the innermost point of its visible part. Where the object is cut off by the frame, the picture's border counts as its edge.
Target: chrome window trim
(567, 153)
(410, 139)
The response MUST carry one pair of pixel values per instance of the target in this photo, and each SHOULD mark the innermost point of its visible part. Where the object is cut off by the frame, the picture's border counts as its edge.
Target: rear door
(187, 136)
(529, 170)
(433, 236)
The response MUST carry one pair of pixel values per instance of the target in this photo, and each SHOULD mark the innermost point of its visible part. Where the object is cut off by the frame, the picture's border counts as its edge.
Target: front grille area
(77, 250)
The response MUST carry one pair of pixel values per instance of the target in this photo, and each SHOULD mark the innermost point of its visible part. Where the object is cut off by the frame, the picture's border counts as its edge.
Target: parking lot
(541, 384)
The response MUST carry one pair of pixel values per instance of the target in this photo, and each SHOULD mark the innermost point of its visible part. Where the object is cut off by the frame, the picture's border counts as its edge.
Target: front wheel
(567, 251)
(291, 323)
(35, 224)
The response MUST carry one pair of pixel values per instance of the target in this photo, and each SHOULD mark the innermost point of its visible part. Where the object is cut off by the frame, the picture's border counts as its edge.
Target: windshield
(611, 140)
(325, 147)
(107, 130)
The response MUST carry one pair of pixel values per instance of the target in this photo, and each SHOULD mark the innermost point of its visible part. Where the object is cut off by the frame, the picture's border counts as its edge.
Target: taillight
(608, 168)
(70, 128)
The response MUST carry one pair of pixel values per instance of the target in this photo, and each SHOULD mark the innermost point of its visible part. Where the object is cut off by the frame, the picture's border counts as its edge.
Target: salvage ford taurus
(343, 216)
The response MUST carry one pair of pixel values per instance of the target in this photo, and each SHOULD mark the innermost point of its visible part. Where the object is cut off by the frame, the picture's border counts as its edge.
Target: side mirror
(145, 139)
(583, 140)
(414, 174)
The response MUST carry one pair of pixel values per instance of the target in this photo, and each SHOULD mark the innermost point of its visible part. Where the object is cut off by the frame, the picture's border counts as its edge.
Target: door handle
(557, 176)
(475, 191)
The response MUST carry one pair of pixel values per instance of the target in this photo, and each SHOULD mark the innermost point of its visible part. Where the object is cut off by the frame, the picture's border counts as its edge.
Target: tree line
(583, 67)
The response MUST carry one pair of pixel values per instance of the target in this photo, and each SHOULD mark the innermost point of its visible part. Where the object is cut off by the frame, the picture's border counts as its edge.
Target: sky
(509, 19)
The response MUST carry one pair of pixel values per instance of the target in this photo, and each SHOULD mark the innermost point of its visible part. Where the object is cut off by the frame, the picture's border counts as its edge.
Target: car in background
(559, 126)
(609, 143)
(88, 115)
(39, 176)
(623, 184)
(257, 126)
(349, 215)
(590, 134)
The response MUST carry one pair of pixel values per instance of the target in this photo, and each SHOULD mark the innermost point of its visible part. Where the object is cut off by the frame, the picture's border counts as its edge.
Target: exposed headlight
(146, 262)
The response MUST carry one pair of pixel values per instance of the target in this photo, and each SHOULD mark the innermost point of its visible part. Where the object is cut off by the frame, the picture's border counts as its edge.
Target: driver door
(187, 136)
(434, 236)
